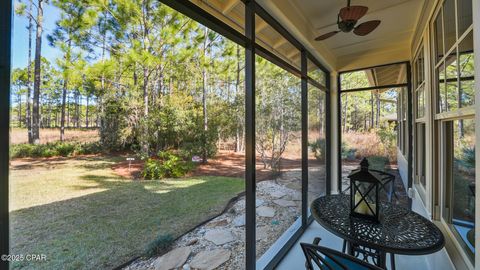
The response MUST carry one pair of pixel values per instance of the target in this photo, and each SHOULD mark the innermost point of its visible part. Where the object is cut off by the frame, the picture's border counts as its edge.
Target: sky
(20, 37)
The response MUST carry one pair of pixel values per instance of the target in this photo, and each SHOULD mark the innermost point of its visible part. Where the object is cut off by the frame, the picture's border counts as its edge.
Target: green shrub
(167, 165)
(348, 153)
(319, 149)
(388, 137)
(201, 142)
(87, 149)
(20, 150)
(63, 149)
(377, 162)
(468, 157)
(161, 243)
(45, 151)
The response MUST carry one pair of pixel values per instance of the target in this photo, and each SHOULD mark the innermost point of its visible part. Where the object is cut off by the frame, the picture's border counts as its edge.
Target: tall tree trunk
(68, 108)
(86, 111)
(377, 97)
(372, 116)
(99, 122)
(461, 132)
(320, 118)
(49, 123)
(204, 99)
(76, 108)
(19, 98)
(102, 81)
(354, 117)
(145, 104)
(62, 117)
(205, 115)
(37, 79)
(237, 86)
(145, 91)
(64, 95)
(28, 116)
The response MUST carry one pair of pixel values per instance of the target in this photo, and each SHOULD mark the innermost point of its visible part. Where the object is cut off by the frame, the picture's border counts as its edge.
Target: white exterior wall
(476, 34)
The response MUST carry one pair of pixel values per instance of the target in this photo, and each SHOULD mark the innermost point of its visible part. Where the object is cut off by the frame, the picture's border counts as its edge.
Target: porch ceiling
(307, 19)
(390, 42)
(232, 12)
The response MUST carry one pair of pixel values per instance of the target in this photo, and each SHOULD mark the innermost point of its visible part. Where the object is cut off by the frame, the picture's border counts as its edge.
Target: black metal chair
(326, 258)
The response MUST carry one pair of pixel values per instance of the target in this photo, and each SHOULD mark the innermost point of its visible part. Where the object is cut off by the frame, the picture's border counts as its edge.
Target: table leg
(382, 259)
(392, 261)
(350, 248)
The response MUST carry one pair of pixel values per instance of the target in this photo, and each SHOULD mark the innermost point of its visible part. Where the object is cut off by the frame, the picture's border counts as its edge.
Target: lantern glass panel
(365, 198)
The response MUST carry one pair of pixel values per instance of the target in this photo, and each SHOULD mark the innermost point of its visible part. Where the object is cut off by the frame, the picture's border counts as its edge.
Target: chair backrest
(329, 259)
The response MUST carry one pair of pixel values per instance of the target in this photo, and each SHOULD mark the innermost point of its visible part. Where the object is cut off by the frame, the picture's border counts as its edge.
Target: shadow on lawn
(107, 228)
(102, 162)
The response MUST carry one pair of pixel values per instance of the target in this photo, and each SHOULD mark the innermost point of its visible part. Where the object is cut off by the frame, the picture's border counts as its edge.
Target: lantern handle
(364, 164)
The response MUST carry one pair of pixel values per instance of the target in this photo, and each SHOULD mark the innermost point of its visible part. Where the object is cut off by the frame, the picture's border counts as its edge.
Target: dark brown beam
(5, 69)
(260, 11)
(375, 87)
(304, 113)
(371, 67)
(196, 13)
(250, 185)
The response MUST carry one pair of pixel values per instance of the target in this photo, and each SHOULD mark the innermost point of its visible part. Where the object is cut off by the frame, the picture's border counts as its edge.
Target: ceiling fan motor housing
(347, 25)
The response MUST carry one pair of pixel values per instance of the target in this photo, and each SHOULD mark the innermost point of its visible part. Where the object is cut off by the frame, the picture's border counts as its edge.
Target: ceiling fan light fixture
(347, 20)
(346, 26)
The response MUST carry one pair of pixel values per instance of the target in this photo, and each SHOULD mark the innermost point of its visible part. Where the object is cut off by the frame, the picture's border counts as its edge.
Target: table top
(401, 231)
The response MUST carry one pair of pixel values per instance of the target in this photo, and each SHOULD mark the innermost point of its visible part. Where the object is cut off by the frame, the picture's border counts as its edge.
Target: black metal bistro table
(400, 231)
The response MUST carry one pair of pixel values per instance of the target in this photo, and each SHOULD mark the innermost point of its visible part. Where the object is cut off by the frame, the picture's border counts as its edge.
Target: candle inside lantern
(363, 208)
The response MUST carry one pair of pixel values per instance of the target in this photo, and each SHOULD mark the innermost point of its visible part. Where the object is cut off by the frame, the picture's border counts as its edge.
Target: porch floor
(295, 258)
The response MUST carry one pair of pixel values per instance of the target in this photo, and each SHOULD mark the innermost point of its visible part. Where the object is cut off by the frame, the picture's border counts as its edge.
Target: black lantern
(364, 191)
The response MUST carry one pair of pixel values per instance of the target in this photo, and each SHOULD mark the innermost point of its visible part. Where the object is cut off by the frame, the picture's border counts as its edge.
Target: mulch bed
(226, 163)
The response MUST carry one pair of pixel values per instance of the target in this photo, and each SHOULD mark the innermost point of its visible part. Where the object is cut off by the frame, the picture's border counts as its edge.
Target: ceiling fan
(347, 18)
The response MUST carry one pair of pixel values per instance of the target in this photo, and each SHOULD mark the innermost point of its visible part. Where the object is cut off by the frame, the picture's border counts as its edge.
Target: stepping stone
(261, 233)
(259, 202)
(239, 221)
(210, 259)
(173, 259)
(284, 203)
(192, 242)
(265, 211)
(277, 194)
(219, 237)
(297, 197)
(217, 223)
(240, 205)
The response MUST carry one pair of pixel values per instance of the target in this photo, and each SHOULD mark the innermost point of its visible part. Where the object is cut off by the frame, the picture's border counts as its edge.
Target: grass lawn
(82, 216)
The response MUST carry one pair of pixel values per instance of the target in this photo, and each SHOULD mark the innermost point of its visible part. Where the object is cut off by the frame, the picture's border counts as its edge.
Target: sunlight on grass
(79, 213)
(45, 181)
(165, 186)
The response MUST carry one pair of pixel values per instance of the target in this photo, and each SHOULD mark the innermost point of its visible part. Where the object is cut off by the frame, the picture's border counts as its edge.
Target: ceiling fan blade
(366, 28)
(352, 13)
(327, 35)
